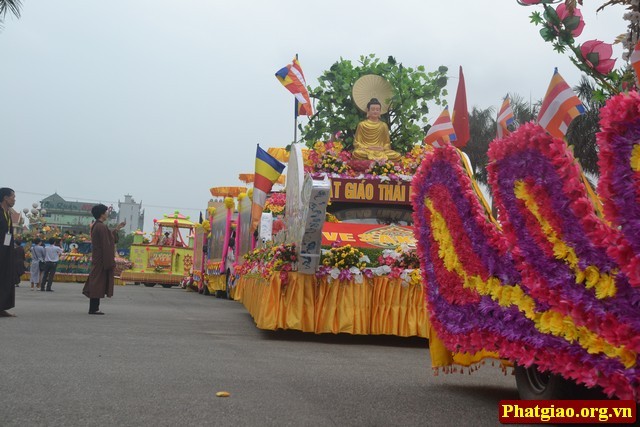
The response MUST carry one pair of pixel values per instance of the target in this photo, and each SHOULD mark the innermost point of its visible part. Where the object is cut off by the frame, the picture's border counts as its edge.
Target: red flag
(460, 117)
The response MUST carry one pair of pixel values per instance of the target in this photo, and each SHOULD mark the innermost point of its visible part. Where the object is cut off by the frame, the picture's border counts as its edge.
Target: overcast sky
(163, 99)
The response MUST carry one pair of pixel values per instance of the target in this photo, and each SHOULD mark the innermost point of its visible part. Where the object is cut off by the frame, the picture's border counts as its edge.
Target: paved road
(158, 357)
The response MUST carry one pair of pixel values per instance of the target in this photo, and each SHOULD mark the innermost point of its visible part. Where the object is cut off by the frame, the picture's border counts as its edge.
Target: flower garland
(328, 157)
(509, 291)
(275, 203)
(345, 263)
(619, 184)
(265, 260)
(383, 167)
(403, 262)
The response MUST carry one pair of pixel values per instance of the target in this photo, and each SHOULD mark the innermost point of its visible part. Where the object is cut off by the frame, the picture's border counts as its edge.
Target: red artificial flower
(572, 20)
(597, 54)
(533, 2)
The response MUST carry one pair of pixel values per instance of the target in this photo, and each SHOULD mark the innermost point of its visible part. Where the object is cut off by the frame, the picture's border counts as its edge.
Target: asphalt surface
(158, 357)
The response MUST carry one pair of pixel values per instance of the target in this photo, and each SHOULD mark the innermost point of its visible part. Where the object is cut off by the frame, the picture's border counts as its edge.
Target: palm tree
(482, 130)
(523, 111)
(12, 6)
(581, 135)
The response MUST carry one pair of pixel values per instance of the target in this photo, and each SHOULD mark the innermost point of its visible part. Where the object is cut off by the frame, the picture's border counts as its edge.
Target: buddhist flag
(460, 117)
(635, 62)
(268, 170)
(505, 118)
(442, 131)
(559, 107)
(292, 78)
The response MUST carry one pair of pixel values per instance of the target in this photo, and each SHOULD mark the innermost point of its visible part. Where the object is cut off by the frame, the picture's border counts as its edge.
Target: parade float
(554, 284)
(167, 258)
(343, 207)
(227, 240)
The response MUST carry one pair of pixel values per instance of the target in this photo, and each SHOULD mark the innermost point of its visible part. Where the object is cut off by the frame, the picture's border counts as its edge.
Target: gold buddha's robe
(372, 142)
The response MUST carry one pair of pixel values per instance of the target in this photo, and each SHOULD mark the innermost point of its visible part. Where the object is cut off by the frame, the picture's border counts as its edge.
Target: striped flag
(559, 107)
(292, 78)
(635, 62)
(505, 118)
(268, 170)
(442, 131)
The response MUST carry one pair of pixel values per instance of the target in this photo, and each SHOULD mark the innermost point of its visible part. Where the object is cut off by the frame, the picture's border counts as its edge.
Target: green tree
(523, 111)
(336, 111)
(12, 6)
(581, 135)
(124, 242)
(482, 130)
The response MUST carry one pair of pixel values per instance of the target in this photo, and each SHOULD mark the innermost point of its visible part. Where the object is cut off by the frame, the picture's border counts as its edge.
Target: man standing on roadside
(103, 262)
(7, 263)
(51, 257)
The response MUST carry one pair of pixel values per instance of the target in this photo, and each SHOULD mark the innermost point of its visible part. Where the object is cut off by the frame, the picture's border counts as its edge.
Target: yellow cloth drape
(443, 359)
(216, 283)
(379, 306)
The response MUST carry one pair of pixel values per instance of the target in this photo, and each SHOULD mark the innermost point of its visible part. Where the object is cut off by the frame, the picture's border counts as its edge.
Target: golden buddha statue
(372, 141)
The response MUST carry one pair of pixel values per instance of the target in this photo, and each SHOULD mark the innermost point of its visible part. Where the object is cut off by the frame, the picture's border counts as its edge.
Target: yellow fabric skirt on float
(378, 306)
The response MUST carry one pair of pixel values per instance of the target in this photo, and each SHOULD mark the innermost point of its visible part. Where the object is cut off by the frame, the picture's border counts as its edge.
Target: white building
(131, 212)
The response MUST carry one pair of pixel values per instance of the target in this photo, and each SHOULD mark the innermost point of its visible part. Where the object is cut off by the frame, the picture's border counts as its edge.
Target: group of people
(44, 262)
(100, 282)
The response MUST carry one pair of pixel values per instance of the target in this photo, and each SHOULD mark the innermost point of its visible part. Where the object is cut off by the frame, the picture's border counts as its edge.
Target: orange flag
(460, 117)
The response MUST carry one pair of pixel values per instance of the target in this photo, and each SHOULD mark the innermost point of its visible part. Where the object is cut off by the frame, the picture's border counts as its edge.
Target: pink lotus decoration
(572, 20)
(597, 55)
(534, 2)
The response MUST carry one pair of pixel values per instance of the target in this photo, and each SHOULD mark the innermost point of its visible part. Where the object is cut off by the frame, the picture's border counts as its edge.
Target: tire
(167, 286)
(136, 283)
(149, 285)
(535, 385)
(220, 294)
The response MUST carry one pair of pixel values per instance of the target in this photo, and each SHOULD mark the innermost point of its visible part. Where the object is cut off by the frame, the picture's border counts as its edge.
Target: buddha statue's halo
(372, 86)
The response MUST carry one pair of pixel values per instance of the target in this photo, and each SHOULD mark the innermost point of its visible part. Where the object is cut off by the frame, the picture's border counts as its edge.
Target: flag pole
(295, 116)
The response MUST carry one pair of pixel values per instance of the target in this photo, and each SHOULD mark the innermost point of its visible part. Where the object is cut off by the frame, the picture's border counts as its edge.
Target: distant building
(17, 220)
(71, 216)
(131, 212)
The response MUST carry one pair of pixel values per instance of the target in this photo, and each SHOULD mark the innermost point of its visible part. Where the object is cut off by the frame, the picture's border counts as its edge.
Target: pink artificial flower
(564, 14)
(597, 54)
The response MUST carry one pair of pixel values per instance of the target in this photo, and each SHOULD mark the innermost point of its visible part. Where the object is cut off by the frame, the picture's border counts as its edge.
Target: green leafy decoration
(536, 18)
(413, 88)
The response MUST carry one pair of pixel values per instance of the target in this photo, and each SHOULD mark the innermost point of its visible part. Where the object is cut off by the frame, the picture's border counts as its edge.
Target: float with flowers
(342, 258)
(554, 283)
(227, 239)
(167, 258)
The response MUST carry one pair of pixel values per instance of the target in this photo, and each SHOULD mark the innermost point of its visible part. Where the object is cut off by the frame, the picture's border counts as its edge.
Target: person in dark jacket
(7, 263)
(103, 262)
(19, 259)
